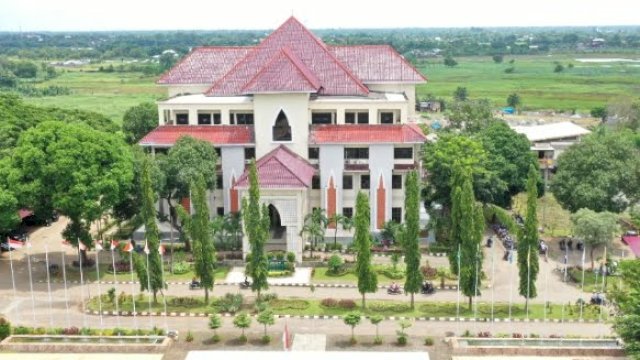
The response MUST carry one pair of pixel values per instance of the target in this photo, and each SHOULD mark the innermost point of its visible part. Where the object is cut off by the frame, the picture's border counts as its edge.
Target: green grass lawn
(551, 216)
(320, 276)
(582, 87)
(593, 283)
(110, 94)
(73, 274)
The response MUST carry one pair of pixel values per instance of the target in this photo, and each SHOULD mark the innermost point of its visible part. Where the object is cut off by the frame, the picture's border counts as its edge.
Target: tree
(167, 60)
(315, 225)
(8, 212)
(410, 235)
(352, 319)
(242, 321)
(391, 232)
(266, 318)
(215, 322)
(402, 334)
(471, 115)
(627, 319)
(138, 121)
(199, 229)
(449, 61)
(528, 241)
(256, 225)
(497, 58)
(334, 264)
(600, 173)
(558, 68)
(367, 279)
(595, 229)
(154, 260)
(599, 112)
(344, 221)
(376, 319)
(73, 168)
(460, 94)
(233, 226)
(26, 70)
(624, 113)
(513, 100)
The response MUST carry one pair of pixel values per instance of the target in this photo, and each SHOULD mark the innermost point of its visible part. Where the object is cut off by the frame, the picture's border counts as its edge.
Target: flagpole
(458, 301)
(113, 263)
(84, 313)
(46, 259)
(582, 282)
(33, 299)
(149, 289)
(528, 277)
(133, 295)
(164, 296)
(13, 281)
(99, 289)
(493, 279)
(546, 292)
(510, 257)
(66, 293)
(475, 303)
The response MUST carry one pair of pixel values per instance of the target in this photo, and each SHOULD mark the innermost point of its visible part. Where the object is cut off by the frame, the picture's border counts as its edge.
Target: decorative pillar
(380, 203)
(331, 202)
(233, 196)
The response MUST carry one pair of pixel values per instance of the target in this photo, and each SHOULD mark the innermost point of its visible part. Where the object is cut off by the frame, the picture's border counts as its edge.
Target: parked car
(18, 234)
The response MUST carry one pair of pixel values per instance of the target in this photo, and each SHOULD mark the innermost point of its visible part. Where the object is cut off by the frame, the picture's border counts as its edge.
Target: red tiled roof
(365, 134)
(284, 72)
(280, 168)
(377, 63)
(334, 77)
(23, 213)
(204, 65)
(216, 134)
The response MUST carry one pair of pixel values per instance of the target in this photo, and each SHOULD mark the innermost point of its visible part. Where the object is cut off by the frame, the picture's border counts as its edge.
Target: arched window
(281, 129)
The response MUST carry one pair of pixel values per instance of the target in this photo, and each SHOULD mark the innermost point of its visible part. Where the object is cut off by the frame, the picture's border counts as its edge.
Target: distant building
(432, 106)
(597, 42)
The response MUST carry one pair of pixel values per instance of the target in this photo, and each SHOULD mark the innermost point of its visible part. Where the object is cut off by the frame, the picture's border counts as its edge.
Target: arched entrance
(277, 232)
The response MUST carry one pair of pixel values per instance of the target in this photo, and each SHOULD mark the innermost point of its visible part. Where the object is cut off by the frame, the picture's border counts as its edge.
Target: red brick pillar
(186, 204)
(331, 202)
(380, 202)
(233, 196)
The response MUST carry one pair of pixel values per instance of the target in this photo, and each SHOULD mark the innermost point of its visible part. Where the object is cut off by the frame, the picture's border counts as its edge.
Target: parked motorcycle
(394, 290)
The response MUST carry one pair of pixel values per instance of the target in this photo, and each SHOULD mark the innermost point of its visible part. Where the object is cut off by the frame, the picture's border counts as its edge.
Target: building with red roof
(323, 123)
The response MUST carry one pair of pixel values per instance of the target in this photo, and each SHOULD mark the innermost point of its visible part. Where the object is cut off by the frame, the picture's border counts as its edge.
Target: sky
(91, 15)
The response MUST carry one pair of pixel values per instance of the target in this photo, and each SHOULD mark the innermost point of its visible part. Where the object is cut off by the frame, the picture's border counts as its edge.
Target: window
(396, 214)
(241, 118)
(218, 152)
(182, 119)
(315, 182)
(363, 118)
(356, 117)
(396, 181)
(217, 119)
(204, 119)
(347, 182)
(403, 153)
(348, 212)
(281, 129)
(356, 153)
(218, 181)
(321, 118)
(364, 181)
(386, 118)
(220, 211)
(249, 153)
(314, 153)
(349, 118)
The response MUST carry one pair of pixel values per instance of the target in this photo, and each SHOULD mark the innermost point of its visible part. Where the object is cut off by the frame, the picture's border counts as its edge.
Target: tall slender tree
(200, 231)
(456, 215)
(149, 199)
(528, 242)
(367, 279)
(256, 225)
(410, 235)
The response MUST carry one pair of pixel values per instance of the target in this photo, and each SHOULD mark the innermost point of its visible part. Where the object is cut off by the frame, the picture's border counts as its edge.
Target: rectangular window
(204, 119)
(403, 153)
(348, 212)
(349, 118)
(217, 119)
(242, 118)
(315, 182)
(386, 118)
(396, 181)
(220, 211)
(364, 181)
(182, 119)
(321, 118)
(356, 153)
(218, 152)
(396, 214)
(314, 153)
(363, 118)
(249, 153)
(218, 181)
(347, 182)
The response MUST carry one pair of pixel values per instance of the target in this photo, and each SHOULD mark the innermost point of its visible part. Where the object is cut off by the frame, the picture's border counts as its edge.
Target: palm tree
(344, 221)
(233, 226)
(315, 225)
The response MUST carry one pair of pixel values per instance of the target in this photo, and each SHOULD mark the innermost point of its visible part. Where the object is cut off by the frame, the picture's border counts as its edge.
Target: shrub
(517, 336)
(291, 257)
(329, 302)
(266, 339)
(71, 331)
(509, 70)
(335, 264)
(189, 337)
(484, 334)
(428, 341)
(294, 304)
(392, 274)
(429, 272)
(230, 303)
(121, 267)
(111, 295)
(347, 304)
(184, 301)
(5, 329)
(389, 307)
(181, 267)
(269, 297)
(22, 330)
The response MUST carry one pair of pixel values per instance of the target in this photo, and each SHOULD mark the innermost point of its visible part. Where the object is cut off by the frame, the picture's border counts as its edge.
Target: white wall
(331, 164)
(173, 90)
(266, 110)
(233, 164)
(408, 89)
(380, 162)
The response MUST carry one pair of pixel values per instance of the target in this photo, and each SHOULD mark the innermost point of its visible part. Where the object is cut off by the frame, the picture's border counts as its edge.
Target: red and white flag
(15, 244)
(82, 246)
(114, 245)
(161, 250)
(146, 248)
(128, 247)
(286, 338)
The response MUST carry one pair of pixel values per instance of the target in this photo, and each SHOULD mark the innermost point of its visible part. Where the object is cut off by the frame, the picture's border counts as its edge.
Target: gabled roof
(377, 63)
(167, 135)
(280, 168)
(285, 72)
(204, 65)
(334, 76)
(366, 134)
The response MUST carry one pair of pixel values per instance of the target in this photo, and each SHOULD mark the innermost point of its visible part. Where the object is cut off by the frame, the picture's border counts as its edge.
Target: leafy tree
(449, 61)
(599, 112)
(138, 121)
(624, 113)
(471, 115)
(344, 221)
(497, 58)
(558, 68)
(73, 168)
(352, 319)
(391, 231)
(242, 321)
(410, 235)
(8, 212)
(402, 334)
(367, 279)
(26, 70)
(199, 229)
(513, 100)
(528, 242)
(154, 260)
(376, 319)
(315, 225)
(233, 226)
(601, 173)
(266, 318)
(335, 264)
(256, 225)
(7, 79)
(595, 229)
(215, 322)
(460, 94)
(627, 319)
(167, 60)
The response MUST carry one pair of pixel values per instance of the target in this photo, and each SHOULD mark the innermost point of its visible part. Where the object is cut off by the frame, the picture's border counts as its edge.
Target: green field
(582, 87)
(110, 94)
